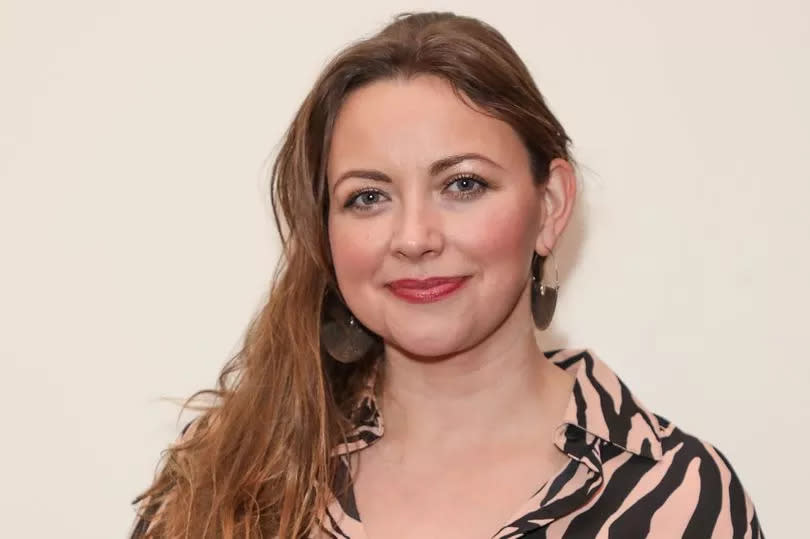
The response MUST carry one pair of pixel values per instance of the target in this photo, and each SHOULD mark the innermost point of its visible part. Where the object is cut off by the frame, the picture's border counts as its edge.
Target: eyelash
(463, 195)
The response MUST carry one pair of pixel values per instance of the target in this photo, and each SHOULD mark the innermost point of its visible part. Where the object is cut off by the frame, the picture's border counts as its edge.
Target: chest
(471, 496)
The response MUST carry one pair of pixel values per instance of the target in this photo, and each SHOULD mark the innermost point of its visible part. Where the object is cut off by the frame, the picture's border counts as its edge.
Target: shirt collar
(600, 404)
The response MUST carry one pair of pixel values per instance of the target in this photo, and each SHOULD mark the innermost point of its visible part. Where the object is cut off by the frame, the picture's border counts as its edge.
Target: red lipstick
(426, 290)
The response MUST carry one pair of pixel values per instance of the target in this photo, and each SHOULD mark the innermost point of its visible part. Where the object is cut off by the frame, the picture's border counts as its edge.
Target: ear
(559, 195)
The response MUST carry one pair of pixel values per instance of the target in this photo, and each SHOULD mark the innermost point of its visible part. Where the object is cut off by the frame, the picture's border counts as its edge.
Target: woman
(420, 191)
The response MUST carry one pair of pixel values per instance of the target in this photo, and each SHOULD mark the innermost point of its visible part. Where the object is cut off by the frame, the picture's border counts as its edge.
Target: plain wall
(137, 241)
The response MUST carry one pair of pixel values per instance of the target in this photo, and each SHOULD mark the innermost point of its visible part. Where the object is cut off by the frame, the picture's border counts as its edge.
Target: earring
(544, 297)
(342, 335)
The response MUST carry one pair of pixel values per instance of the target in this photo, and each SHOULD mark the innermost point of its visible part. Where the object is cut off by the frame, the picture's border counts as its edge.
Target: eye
(469, 186)
(364, 199)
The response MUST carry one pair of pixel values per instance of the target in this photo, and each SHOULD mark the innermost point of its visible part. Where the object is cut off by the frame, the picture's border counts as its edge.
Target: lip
(426, 290)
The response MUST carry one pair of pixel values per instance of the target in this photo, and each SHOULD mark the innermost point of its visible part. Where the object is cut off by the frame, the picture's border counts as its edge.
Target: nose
(417, 231)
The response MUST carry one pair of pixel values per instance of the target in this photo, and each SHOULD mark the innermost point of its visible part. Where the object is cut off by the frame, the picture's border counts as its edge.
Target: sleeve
(148, 513)
(738, 517)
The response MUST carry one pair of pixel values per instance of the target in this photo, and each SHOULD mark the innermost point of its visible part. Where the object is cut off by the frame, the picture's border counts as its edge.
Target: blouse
(632, 473)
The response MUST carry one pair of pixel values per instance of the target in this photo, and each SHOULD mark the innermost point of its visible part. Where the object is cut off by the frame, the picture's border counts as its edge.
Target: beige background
(136, 238)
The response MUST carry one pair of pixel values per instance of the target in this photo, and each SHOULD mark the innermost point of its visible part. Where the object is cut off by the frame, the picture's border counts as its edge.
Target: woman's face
(403, 205)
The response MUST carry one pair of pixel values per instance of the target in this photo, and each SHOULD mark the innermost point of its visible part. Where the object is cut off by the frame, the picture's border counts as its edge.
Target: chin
(426, 344)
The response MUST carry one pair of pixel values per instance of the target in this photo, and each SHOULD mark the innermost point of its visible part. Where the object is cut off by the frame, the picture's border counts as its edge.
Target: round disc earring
(544, 297)
(343, 336)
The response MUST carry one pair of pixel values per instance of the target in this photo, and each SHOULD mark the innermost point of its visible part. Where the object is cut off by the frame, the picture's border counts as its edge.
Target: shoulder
(658, 477)
(695, 484)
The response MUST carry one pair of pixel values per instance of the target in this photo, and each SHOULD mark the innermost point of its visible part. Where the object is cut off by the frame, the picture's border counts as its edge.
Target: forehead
(413, 122)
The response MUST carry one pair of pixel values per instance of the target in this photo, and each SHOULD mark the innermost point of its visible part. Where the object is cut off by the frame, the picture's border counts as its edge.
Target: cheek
(503, 237)
(355, 252)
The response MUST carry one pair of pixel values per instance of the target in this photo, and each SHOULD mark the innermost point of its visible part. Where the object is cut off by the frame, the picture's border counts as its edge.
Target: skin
(469, 401)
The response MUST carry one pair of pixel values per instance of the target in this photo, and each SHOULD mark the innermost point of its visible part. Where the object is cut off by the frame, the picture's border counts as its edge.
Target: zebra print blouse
(632, 473)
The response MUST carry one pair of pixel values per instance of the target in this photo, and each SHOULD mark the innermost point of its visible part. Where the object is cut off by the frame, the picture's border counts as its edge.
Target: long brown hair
(257, 462)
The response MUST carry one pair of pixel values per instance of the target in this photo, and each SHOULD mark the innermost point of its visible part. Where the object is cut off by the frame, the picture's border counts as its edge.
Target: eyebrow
(435, 168)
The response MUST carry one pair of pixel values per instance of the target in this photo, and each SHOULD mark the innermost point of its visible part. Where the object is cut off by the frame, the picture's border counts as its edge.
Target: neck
(498, 388)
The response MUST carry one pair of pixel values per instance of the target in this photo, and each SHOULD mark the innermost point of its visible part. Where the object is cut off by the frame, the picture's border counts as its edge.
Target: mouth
(426, 290)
